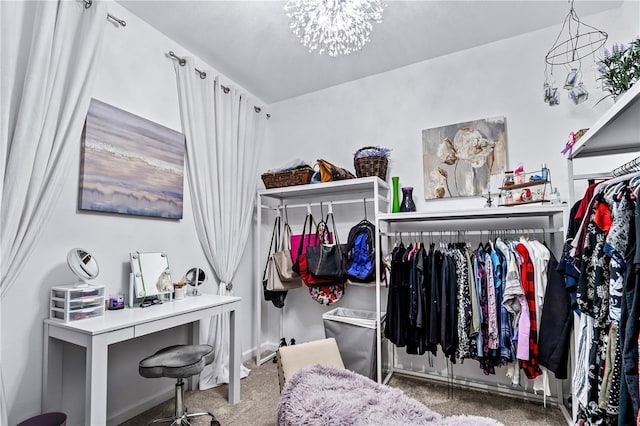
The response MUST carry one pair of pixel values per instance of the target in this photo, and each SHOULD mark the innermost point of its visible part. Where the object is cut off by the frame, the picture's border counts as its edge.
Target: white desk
(96, 334)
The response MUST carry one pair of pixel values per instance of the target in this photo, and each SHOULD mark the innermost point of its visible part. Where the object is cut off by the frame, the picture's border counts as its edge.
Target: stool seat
(178, 361)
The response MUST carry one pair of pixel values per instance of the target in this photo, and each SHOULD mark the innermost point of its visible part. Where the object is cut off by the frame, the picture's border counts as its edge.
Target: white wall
(133, 75)
(504, 78)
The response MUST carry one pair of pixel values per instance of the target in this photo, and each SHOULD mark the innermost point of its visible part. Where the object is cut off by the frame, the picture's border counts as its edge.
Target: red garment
(603, 216)
(530, 367)
(584, 203)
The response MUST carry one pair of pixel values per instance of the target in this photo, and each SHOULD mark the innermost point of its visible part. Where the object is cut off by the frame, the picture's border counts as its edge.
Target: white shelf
(312, 190)
(547, 220)
(486, 213)
(372, 189)
(616, 132)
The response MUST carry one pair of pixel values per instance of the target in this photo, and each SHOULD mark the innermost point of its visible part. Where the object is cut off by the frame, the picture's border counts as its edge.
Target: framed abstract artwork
(130, 165)
(459, 159)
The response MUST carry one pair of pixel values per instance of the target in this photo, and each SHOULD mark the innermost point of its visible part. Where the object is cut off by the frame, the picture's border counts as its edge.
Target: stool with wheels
(179, 362)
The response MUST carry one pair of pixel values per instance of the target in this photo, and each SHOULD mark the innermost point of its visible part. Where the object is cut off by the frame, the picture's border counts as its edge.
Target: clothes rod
(588, 176)
(632, 166)
(318, 204)
(488, 232)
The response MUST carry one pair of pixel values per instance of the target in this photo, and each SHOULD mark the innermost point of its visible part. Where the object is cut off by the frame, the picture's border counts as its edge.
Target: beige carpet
(259, 395)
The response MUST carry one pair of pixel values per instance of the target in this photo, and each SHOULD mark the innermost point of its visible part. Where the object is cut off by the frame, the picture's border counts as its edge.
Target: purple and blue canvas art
(130, 165)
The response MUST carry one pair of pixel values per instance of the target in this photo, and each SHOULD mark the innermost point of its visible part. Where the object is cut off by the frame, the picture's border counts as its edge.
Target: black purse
(325, 260)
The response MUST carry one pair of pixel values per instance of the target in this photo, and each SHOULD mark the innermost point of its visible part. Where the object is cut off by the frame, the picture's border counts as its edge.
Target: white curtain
(49, 53)
(224, 134)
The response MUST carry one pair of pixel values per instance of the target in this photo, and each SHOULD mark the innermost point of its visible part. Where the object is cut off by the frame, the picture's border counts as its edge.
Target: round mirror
(195, 277)
(83, 264)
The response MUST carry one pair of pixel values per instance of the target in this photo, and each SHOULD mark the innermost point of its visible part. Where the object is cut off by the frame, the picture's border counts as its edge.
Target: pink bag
(313, 240)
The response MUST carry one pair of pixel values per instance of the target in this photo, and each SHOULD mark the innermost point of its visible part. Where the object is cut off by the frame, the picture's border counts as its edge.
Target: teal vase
(395, 207)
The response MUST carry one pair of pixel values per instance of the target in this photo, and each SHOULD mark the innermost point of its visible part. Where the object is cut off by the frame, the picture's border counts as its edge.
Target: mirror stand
(150, 278)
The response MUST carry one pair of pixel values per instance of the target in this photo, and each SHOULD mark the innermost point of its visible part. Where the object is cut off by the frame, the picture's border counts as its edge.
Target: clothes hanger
(634, 183)
(364, 203)
(612, 191)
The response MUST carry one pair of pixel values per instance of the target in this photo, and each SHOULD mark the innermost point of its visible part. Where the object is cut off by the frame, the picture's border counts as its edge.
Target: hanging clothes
(394, 327)
(556, 323)
(602, 265)
(530, 366)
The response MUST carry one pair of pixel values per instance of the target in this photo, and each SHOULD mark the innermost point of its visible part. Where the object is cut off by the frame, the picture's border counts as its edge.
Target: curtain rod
(121, 22)
(203, 75)
(183, 62)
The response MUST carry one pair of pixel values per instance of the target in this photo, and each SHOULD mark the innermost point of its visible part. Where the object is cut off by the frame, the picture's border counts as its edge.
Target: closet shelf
(524, 185)
(367, 189)
(616, 132)
(548, 220)
(520, 203)
(486, 213)
(315, 190)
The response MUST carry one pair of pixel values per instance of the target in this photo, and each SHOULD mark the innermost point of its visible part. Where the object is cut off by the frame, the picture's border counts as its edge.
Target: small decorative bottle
(407, 200)
(554, 197)
(395, 207)
(544, 172)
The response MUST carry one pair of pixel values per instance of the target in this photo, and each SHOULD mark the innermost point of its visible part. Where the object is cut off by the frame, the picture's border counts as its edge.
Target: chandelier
(338, 27)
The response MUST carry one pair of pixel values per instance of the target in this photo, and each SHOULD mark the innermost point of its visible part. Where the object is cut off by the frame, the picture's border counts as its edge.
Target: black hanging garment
(394, 324)
(417, 261)
(556, 323)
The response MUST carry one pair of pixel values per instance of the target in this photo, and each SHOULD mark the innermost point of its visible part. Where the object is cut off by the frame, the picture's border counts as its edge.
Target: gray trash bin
(355, 334)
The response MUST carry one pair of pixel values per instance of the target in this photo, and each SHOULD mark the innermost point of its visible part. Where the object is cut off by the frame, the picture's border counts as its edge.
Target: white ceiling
(250, 41)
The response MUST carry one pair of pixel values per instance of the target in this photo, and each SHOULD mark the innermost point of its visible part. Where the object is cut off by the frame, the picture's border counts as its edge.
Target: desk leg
(51, 373)
(96, 381)
(194, 339)
(234, 359)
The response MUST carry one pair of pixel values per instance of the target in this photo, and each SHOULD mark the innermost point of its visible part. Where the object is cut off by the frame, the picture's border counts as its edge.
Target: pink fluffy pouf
(327, 396)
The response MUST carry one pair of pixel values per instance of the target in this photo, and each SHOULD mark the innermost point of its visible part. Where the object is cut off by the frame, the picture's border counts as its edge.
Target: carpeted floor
(259, 394)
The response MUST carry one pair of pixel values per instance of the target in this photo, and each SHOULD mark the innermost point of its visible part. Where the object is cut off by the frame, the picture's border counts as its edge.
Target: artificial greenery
(620, 67)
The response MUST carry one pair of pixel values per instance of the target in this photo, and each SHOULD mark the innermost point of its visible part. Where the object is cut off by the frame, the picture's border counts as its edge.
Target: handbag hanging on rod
(298, 240)
(269, 275)
(283, 263)
(326, 260)
(300, 265)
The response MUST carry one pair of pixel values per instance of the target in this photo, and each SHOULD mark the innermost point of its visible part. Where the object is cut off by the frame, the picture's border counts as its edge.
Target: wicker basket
(371, 166)
(300, 176)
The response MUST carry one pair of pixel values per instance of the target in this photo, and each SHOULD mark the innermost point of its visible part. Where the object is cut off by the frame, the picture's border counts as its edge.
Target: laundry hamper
(355, 334)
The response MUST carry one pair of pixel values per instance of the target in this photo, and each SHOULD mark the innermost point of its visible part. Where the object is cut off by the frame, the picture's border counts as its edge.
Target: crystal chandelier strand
(338, 27)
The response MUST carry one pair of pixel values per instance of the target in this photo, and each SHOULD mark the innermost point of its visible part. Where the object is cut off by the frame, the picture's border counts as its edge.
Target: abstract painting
(459, 159)
(130, 165)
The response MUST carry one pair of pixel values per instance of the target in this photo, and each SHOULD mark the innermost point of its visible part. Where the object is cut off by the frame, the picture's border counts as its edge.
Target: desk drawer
(174, 321)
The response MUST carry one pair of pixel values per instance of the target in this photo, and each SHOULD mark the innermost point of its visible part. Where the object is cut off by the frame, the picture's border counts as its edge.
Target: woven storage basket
(371, 166)
(301, 176)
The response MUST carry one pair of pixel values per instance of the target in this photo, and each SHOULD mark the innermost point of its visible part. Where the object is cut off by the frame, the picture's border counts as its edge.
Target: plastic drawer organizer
(73, 302)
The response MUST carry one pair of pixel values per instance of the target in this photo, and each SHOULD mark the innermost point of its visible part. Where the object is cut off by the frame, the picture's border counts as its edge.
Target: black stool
(179, 362)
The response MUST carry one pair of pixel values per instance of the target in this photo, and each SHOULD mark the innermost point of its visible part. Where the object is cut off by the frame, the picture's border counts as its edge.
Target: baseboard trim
(142, 406)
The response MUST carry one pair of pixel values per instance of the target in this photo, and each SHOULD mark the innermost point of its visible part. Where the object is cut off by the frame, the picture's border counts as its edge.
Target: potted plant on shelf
(620, 68)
